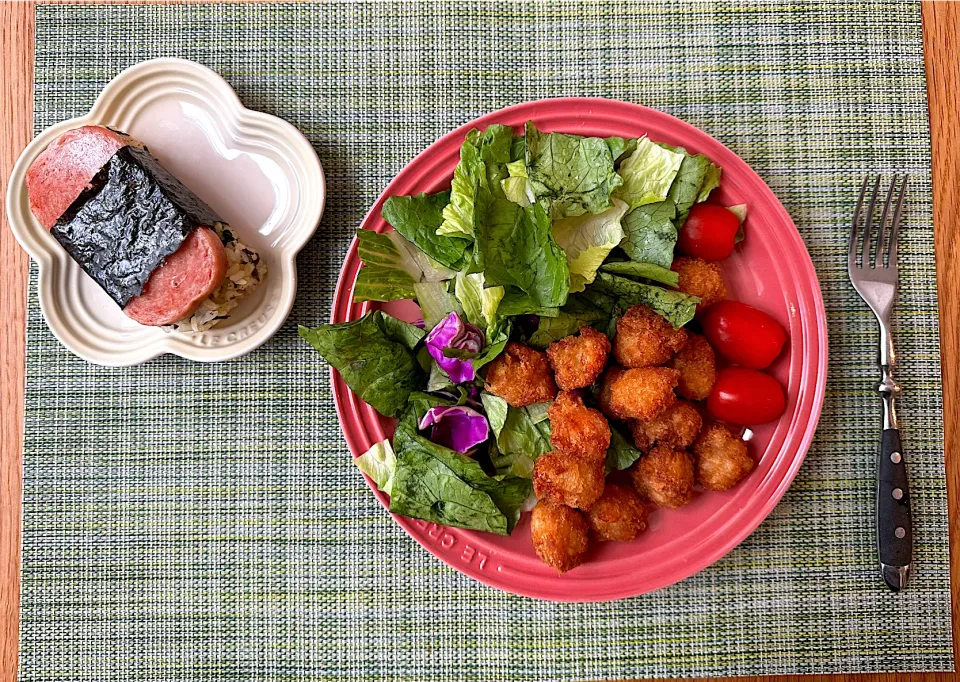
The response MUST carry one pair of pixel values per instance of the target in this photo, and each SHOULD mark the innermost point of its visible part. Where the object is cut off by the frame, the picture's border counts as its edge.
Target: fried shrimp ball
(676, 427)
(566, 478)
(664, 476)
(638, 393)
(559, 535)
(579, 360)
(577, 429)
(700, 278)
(619, 515)
(645, 339)
(521, 376)
(697, 366)
(722, 458)
(606, 384)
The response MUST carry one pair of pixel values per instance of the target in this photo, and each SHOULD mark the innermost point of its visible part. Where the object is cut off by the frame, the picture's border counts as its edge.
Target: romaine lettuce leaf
(437, 379)
(517, 187)
(570, 175)
(518, 249)
(497, 337)
(643, 270)
(435, 302)
(578, 312)
(522, 434)
(490, 352)
(375, 356)
(686, 187)
(437, 484)
(417, 219)
(391, 267)
(587, 240)
(516, 302)
(479, 303)
(621, 148)
(710, 182)
(514, 464)
(458, 214)
(676, 307)
(483, 159)
(648, 173)
(621, 453)
(408, 334)
(518, 150)
(650, 234)
(496, 409)
(496, 143)
(380, 464)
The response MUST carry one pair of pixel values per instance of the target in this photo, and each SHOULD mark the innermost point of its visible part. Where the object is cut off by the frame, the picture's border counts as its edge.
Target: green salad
(539, 235)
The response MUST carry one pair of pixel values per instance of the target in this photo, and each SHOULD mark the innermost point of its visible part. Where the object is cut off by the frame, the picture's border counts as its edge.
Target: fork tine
(852, 246)
(868, 228)
(882, 228)
(895, 225)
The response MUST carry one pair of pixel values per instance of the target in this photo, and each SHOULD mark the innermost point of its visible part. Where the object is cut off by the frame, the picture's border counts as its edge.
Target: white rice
(245, 270)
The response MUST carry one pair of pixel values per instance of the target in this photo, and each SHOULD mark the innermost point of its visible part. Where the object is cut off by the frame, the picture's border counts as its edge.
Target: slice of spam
(67, 167)
(177, 288)
(133, 227)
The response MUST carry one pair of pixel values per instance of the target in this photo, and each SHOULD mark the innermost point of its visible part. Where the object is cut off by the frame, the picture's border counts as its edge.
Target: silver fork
(873, 273)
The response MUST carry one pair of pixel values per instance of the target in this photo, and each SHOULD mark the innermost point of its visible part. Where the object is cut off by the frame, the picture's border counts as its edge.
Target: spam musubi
(162, 254)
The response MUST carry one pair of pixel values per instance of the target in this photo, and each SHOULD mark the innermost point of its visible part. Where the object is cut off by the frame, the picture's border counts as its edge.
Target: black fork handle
(894, 525)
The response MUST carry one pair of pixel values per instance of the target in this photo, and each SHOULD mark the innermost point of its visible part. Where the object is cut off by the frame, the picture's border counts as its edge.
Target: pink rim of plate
(510, 563)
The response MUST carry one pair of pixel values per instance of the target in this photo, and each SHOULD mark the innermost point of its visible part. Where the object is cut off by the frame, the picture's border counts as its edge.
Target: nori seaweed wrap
(131, 218)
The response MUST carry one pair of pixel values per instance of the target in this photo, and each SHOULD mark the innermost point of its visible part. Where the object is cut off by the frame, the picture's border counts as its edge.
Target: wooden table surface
(941, 37)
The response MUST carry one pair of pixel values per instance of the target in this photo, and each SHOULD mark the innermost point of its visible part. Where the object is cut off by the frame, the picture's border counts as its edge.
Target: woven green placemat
(204, 522)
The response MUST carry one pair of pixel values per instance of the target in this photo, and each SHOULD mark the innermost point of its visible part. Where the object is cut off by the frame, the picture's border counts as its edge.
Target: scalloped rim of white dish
(83, 329)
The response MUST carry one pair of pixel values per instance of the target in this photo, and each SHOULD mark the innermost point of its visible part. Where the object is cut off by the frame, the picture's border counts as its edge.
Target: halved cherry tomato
(708, 232)
(746, 397)
(743, 334)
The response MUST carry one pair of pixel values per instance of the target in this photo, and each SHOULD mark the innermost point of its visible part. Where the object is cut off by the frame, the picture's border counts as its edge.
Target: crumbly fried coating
(664, 476)
(722, 458)
(645, 339)
(700, 278)
(566, 478)
(521, 375)
(676, 427)
(579, 360)
(576, 428)
(560, 536)
(619, 515)
(638, 393)
(697, 365)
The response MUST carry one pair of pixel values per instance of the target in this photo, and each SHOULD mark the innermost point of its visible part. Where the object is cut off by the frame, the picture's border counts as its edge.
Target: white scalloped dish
(259, 173)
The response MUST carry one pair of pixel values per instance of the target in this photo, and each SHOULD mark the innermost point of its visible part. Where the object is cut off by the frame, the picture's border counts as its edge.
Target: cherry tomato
(708, 232)
(746, 397)
(743, 334)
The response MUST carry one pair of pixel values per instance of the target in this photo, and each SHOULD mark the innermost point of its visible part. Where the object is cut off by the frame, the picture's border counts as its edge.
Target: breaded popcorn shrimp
(645, 339)
(579, 360)
(576, 428)
(722, 458)
(559, 535)
(639, 393)
(521, 376)
(569, 479)
(700, 278)
(697, 365)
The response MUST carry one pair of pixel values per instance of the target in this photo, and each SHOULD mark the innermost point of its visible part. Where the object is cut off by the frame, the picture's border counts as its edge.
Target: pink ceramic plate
(771, 270)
